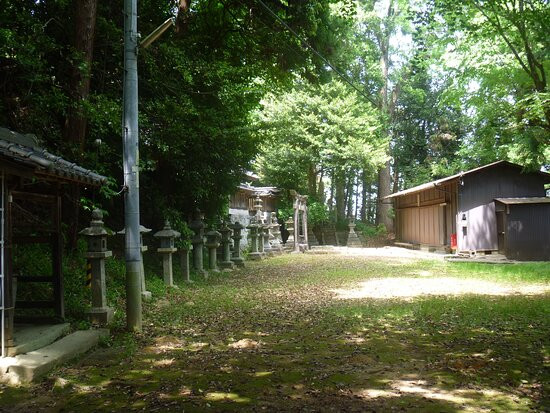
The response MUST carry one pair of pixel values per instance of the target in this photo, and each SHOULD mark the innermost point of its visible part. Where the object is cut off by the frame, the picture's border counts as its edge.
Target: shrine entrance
(31, 267)
(33, 226)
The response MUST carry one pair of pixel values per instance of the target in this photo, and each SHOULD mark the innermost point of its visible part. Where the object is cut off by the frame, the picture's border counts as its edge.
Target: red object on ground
(453, 241)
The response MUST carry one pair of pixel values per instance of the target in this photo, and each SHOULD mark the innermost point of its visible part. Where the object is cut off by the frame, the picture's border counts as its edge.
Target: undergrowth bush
(374, 234)
(317, 213)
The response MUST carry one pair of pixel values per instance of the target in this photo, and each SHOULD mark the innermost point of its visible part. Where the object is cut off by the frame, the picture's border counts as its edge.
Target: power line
(305, 43)
(288, 47)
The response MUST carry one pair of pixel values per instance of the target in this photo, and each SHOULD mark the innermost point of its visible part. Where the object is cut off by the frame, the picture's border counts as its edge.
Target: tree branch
(496, 24)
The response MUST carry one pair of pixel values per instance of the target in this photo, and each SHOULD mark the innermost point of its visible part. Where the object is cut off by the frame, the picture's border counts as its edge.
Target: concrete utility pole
(130, 139)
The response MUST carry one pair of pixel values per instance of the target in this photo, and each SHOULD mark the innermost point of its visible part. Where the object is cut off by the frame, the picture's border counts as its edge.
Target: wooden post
(304, 217)
(296, 225)
(9, 299)
(57, 262)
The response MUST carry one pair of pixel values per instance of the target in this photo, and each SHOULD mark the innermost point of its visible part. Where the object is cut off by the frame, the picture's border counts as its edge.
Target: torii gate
(300, 216)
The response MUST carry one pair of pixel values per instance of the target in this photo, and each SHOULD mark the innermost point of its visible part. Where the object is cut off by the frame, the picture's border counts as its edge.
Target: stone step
(29, 337)
(26, 368)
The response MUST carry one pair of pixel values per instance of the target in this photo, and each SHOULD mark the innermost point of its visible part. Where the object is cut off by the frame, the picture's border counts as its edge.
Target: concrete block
(28, 337)
(28, 367)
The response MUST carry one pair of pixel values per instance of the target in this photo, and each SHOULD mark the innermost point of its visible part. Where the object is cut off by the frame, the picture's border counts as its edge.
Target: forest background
(345, 101)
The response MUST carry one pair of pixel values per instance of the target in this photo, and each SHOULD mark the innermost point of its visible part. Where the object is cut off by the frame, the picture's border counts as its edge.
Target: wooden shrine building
(493, 208)
(31, 182)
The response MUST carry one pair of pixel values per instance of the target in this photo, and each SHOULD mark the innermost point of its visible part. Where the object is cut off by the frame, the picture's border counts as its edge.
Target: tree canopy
(344, 100)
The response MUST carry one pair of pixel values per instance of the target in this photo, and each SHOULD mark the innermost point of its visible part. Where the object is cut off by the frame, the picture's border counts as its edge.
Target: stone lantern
(167, 236)
(253, 234)
(260, 231)
(145, 295)
(96, 234)
(353, 239)
(257, 205)
(276, 234)
(237, 227)
(289, 245)
(260, 234)
(197, 226)
(184, 263)
(213, 239)
(226, 262)
(267, 234)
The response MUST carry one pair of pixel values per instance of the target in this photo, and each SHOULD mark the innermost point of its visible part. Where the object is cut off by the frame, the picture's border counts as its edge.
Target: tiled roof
(24, 150)
(260, 190)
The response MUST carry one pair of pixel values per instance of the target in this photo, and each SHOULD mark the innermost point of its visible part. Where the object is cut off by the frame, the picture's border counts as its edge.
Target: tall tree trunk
(331, 199)
(182, 17)
(395, 179)
(340, 183)
(356, 196)
(363, 215)
(321, 189)
(312, 181)
(384, 206)
(384, 174)
(349, 198)
(369, 212)
(85, 12)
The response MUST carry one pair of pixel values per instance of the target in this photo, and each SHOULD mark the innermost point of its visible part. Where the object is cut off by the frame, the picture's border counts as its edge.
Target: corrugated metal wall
(527, 235)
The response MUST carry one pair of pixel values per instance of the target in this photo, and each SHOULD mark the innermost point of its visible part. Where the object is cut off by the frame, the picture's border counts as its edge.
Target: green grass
(537, 272)
(275, 337)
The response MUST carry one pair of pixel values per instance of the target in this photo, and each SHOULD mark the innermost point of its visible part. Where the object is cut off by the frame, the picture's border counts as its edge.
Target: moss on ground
(279, 336)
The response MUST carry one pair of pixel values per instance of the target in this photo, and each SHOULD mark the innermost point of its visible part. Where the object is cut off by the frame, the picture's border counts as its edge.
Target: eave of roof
(24, 150)
(518, 201)
(260, 190)
(439, 182)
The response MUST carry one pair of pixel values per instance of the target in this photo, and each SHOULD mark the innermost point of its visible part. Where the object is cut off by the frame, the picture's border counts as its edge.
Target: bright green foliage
(327, 128)
(428, 130)
(498, 57)
(371, 231)
(197, 89)
(466, 85)
(317, 213)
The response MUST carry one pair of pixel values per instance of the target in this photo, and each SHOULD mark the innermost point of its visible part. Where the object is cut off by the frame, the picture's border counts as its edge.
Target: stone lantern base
(238, 261)
(226, 265)
(101, 315)
(256, 256)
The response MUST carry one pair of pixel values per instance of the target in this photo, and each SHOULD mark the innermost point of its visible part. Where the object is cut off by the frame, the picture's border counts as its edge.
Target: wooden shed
(31, 185)
(462, 208)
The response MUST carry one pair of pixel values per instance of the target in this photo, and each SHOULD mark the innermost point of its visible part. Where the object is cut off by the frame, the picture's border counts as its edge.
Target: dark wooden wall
(527, 232)
(500, 181)
(476, 220)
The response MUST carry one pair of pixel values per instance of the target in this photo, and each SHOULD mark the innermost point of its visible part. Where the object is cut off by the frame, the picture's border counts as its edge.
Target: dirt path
(322, 333)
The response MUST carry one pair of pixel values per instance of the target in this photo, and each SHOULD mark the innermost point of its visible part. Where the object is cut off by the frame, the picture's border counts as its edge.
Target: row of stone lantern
(97, 252)
(265, 236)
(264, 233)
(212, 240)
